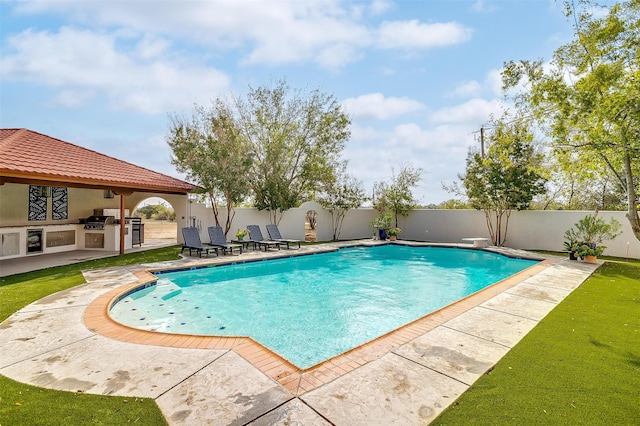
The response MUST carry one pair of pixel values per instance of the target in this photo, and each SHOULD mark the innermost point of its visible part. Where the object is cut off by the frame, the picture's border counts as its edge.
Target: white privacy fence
(531, 229)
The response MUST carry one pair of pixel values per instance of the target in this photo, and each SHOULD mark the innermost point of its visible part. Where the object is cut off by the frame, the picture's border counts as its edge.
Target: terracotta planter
(590, 259)
(392, 237)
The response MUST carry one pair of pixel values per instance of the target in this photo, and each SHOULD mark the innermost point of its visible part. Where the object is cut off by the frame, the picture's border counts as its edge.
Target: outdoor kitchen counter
(107, 239)
(36, 239)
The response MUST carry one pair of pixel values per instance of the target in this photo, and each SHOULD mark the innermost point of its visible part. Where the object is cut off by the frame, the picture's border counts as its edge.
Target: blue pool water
(310, 308)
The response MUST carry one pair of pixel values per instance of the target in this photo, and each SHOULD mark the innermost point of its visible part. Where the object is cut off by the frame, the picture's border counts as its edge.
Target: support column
(122, 224)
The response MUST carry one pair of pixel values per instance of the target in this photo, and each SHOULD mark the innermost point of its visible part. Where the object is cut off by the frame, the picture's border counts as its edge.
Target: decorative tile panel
(37, 203)
(60, 203)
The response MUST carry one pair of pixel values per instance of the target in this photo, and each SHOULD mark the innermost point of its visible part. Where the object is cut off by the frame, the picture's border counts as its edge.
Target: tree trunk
(492, 235)
(632, 198)
(495, 230)
(498, 228)
(215, 208)
(274, 216)
(231, 213)
(506, 228)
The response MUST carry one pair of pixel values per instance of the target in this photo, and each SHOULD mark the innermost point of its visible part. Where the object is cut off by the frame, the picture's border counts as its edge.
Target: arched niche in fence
(310, 225)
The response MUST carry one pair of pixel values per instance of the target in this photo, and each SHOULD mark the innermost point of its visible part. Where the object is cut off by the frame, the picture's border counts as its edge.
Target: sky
(418, 78)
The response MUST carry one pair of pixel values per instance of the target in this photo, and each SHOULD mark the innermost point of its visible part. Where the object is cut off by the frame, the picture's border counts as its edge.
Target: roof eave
(120, 187)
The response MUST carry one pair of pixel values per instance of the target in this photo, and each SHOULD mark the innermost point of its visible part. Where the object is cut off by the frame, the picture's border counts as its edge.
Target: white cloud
(494, 81)
(481, 6)
(73, 98)
(378, 7)
(440, 150)
(83, 62)
(150, 47)
(375, 105)
(598, 12)
(467, 89)
(439, 146)
(327, 42)
(492, 84)
(329, 33)
(432, 144)
(266, 32)
(474, 110)
(416, 35)
(388, 71)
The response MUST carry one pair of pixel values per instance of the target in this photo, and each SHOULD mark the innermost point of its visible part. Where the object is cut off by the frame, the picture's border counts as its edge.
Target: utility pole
(481, 131)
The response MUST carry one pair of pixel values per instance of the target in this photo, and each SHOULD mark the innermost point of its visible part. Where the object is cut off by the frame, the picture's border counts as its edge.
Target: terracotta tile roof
(26, 154)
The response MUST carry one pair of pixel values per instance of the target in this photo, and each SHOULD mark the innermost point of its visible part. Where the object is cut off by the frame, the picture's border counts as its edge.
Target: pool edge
(298, 381)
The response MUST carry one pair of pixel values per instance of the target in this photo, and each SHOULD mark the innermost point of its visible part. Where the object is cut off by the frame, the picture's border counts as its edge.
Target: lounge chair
(193, 243)
(274, 234)
(218, 240)
(256, 236)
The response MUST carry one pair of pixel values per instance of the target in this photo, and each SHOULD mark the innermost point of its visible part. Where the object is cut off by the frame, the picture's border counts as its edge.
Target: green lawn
(22, 404)
(579, 366)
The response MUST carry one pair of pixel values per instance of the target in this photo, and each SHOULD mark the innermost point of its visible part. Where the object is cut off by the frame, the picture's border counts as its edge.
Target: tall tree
(506, 179)
(396, 196)
(210, 148)
(296, 138)
(339, 195)
(576, 191)
(588, 97)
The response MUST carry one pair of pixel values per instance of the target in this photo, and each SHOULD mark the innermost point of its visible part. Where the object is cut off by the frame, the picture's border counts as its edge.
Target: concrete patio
(35, 262)
(47, 344)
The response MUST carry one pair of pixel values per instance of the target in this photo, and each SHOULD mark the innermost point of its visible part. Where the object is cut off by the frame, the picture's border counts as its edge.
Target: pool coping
(299, 381)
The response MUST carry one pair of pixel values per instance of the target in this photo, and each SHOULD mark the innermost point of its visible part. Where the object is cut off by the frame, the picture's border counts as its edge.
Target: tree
(506, 179)
(296, 139)
(340, 195)
(452, 204)
(588, 98)
(164, 213)
(396, 196)
(210, 148)
(156, 211)
(586, 188)
(147, 211)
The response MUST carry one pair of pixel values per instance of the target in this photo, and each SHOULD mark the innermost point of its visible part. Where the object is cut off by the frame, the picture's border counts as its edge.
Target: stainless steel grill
(98, 222)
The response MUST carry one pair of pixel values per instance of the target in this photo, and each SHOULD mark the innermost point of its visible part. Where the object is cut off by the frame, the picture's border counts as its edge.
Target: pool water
(311, 308)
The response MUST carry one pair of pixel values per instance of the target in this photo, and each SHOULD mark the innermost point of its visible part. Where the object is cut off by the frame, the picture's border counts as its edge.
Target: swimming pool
(311, 308)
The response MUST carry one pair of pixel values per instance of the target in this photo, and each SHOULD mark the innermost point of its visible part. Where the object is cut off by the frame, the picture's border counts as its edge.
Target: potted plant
(571, 246)
(241, 233)
(587, 235)
(382, 223)
(589, 251)
(393, 233)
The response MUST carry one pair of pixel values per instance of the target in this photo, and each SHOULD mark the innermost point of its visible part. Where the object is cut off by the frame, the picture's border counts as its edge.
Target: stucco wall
(14, 207)
(179, 203)
(537, 229)
(527, 229)
(14, 204)
(531, 229)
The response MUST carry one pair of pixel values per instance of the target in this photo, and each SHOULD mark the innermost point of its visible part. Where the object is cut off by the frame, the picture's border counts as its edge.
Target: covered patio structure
(49, 187)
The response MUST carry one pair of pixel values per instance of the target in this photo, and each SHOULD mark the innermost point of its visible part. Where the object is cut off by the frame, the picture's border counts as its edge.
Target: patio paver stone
(405, 377)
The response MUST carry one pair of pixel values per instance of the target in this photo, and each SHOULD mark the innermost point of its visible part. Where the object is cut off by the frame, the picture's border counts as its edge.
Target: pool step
(130, 312)
(172, 294)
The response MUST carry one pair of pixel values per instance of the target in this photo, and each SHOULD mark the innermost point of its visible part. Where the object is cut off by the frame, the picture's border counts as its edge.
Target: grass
(579, 366)
(22, 404)
(17, 291)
